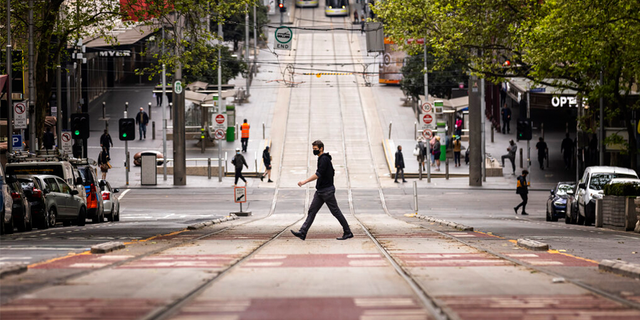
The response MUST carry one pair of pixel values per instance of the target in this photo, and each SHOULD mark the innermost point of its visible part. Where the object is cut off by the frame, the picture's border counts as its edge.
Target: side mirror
(551, 191)
(582, 186)
(79, 180)
(74, 192)
(116, 190)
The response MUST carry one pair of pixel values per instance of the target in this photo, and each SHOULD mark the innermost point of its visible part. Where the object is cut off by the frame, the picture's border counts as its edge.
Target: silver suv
(62, 201)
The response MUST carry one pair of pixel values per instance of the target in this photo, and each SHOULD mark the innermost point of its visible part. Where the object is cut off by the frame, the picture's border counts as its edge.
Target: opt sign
(20, 115)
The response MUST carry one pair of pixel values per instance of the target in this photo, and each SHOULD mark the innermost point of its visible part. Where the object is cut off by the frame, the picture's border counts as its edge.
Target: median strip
(12, 268)
(107, 247)
(445, 223)
(212, 222)
(533, 245)
(620, 267)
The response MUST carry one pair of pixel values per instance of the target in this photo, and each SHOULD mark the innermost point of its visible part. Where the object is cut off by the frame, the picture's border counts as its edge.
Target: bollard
(104, 110)
(492, 130)
(149, 110)
(237, 132)
(415, 130)
(542, 130)
(390, 124)
(415, 195)
(446, 169)
(420, 170)
(209, 168)
(255, 155)
(521, 159)
(263, 132)
(170, 113)
(153, 130)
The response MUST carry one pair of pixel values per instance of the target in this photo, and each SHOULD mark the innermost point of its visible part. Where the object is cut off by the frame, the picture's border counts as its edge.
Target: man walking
(567, 151)
(238, 161)
(245, 135)
(522, 189)
(266, 159)
(325, 193)
(399, 164)
(511, 155)
(541, 146)
(105, 141)
(142, 119)
(48, 140)
(506, 119)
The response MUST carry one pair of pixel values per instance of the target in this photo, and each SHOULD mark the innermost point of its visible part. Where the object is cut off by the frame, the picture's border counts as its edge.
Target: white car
(110, 201)
(590, 188)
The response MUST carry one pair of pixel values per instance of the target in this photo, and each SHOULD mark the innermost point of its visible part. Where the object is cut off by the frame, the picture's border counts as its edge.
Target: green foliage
(203, 66)
(440, 81)
(622, 189)
(234, 27)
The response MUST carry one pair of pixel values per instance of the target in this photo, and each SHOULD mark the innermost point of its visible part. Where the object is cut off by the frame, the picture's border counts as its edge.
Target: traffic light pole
(529, 140)
(221, 35)
(126, 149)
(9, 80)
(179, 147)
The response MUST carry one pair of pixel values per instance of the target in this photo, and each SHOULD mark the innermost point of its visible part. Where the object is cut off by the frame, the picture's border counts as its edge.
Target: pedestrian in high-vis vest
(244, 138)
(522, 188)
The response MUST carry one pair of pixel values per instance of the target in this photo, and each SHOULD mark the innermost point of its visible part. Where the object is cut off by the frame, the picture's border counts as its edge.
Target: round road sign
(427, 118)
(220, 119)
(66, 136)
(426, 107)
(427, 134)
(220, 134)
(20, 108)
(284, 35)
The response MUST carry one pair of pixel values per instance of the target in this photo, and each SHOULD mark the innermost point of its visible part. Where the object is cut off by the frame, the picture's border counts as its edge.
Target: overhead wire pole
(33, 145)
(221, 35)
(9, 80)
(179, 147)
(483, 107)
(246, 46)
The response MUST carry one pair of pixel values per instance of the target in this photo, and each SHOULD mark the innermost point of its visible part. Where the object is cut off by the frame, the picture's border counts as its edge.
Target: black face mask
(316, 152)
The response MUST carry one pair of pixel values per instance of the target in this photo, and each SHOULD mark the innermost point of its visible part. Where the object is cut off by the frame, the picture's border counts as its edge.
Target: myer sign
(115, 53)
(563, 101)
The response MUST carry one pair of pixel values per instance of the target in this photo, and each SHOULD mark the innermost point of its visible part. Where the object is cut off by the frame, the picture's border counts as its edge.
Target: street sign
(20, 115)
(177, 87)
(283, 38)
(427, 134)
(426, 107)
(220, 119)
(240, 194)
(16, 142)
(427, 119)
(66, 142)
(220, 134)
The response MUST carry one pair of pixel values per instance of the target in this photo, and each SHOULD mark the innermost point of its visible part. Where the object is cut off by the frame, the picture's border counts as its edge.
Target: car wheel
(8, 227)
(581, 219)
(117, 214)
(52, 217)
(82, 217)
(111, 215)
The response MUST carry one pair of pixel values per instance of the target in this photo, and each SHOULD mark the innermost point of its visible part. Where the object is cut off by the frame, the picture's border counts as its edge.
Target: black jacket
(238, 161)
(103, 158)
(142, 117)
(48, 140)
(522, 187)
(399, 159)
(324, 172)
(266, 157)
(105, 140)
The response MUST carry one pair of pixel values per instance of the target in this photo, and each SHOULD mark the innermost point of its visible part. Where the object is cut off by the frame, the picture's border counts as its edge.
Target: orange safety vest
(245, 130)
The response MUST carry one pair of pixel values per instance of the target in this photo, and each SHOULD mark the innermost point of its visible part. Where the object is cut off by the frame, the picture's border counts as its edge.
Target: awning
(123, 37)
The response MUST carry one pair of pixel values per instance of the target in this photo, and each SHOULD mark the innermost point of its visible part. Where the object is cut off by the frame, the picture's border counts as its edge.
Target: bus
(336, 8)
(307, 3)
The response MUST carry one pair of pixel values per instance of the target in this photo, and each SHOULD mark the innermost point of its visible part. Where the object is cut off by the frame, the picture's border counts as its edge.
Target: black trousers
(456, 157)
(400, 172)
(513, 161)
(245, 143)
(541, 160)
(321, 197)
(523, 204)
(567, 159)
(239, 176)
(506, 125)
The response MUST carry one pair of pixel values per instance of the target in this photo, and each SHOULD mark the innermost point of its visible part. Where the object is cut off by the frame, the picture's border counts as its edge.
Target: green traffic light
(77, 132)
(124, 135)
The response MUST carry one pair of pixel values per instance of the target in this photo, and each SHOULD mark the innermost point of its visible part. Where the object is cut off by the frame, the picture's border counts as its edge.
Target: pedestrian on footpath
(567, 151)
(355, 17)
(458, 125)
(437, 152)
(399, 164)
(158, 99)
(103, 162)
(457, 149)
(238, 161)
(432, 142)
(522, 189)
(142, 119)
(48, 140)
(511, 155)
(325, 193)
(105, 141)
(543, 151)
(506, 119)
(244, 128)
(421, 149)
(266, 159)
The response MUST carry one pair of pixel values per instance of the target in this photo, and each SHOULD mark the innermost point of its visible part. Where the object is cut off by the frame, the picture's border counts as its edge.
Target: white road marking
(123, 193)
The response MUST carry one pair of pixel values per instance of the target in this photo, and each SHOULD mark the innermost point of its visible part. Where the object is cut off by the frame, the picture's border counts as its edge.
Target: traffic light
(76, 149)
(524, 129)
(127, 129)
(282, 7)
(80, 125)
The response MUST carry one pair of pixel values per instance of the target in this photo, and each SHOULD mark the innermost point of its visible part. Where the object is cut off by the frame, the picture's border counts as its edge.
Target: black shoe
(404, 180)
(524, 213)
(261, 178)
(346, 236)
(396, 181)
(516, 210)
(300, 235)
(270, 180)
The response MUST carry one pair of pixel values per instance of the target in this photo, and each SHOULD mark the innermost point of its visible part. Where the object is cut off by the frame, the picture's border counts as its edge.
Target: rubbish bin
(148, 169)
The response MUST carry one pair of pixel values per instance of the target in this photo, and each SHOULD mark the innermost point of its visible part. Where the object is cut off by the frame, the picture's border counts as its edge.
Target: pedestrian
(158, 99)
(244, 128)
(105, 141)
(541, 146)
(522, 188)
(399, 164)
(142, 119)
(238, 161)
(420, 153)
(457, 148)
(511, 155)
(437, 152)
(506, 119)
(362, 24)
(432, 143)
(48, 140)
(325, 193)
(355, 16)
(567, 151)
(103, 162)
(458, 125)
(266, 159)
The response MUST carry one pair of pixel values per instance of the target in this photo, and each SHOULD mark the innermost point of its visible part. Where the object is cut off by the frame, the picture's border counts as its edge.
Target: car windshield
(564, 189)
(598, 180)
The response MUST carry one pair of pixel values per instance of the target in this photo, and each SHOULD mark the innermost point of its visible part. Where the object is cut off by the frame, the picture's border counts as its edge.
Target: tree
(203, 68)
(440, 82)
(234, 27)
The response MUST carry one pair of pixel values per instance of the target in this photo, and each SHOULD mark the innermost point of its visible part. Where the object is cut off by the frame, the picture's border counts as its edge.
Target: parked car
(590, 188)
(110, 201)
(69, 206)
(62, 169)
(557, 202)
(572, 207)
(95, 207)
(6, 204)
(33, 187)
(21, 209)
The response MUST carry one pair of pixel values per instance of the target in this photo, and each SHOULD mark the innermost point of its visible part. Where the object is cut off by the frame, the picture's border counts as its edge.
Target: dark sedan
(557, 202)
